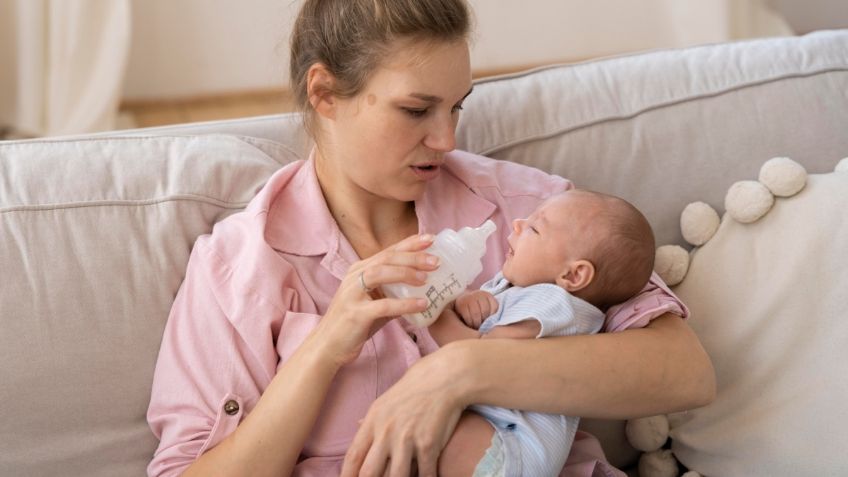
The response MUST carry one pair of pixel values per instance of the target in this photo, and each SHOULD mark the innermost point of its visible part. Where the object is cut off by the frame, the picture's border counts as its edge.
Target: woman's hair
(352, 37)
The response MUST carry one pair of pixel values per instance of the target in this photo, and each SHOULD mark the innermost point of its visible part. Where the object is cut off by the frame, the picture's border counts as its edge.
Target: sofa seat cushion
(768, 301)
(96, 237)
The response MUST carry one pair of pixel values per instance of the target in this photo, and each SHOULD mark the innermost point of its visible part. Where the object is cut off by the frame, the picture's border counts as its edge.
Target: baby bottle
(460, 253)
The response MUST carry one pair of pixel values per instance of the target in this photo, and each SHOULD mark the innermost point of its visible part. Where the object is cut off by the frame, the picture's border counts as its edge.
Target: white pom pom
(647, 433)
(747, 201)
(691, 473)
(783, 176)
(842, 166)
(659, 463)
(698, 222)
(671, 263)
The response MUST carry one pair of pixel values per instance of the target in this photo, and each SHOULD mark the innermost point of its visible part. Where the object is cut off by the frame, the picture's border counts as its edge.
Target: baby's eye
(534, 230)
(415, 113)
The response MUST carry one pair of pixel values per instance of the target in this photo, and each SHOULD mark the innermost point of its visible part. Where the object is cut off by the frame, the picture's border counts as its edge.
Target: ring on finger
(362, 282)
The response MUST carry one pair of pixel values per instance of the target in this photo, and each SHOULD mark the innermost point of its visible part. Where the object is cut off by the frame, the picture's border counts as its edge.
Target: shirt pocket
(230, 413)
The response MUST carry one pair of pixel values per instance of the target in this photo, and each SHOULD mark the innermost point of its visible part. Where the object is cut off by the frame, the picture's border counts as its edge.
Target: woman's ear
(576, 276)
(319, 90)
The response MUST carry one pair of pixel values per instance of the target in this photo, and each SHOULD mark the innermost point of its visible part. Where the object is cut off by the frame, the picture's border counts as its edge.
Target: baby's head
(598, 247)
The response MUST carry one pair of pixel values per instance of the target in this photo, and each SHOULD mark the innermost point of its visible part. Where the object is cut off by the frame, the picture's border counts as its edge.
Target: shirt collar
(299, 221)
(440, 208)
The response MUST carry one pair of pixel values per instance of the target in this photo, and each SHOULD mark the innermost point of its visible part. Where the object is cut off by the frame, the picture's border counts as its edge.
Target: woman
(278, 319)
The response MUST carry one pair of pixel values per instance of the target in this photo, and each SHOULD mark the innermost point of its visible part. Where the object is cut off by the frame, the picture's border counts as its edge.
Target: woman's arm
(661, 368)
(269, 440)
(657, 369)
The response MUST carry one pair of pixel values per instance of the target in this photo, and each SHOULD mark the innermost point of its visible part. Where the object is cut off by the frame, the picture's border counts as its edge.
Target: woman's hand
(356, 313)
(411, 422)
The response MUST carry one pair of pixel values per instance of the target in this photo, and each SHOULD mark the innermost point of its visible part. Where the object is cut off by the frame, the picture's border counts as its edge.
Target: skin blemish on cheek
(372, 99)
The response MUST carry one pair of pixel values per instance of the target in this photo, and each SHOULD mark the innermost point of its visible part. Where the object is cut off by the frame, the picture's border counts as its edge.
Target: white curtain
(63, 64)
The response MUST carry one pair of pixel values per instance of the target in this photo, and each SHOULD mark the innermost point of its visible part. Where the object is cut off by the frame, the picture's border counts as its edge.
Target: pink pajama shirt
(260, 282)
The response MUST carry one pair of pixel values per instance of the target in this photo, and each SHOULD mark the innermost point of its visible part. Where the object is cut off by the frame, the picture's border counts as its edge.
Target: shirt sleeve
(654, 300)
(206, 376)
(558, 312)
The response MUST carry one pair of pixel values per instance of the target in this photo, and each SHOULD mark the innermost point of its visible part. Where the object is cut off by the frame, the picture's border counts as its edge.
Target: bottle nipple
(481, 233)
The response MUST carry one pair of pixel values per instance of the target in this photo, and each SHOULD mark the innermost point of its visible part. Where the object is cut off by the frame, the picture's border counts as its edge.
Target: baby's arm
(475, 306)
(528, 328)
(461, 320)
(467, 314)
(450, 327)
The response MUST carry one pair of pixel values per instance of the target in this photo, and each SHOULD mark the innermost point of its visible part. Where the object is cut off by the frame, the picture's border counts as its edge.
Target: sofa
(96, 232)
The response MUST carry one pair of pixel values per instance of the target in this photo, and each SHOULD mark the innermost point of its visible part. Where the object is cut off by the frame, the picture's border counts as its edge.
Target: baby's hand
(475, 306)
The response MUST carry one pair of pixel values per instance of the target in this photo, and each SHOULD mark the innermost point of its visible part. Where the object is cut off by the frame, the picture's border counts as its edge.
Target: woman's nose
(442, 135)
(517, 224)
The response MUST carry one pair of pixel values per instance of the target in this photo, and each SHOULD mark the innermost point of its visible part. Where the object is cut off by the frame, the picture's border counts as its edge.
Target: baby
(578, 254)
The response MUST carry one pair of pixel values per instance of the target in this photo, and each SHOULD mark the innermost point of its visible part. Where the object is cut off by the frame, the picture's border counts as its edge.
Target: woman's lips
(427, 172)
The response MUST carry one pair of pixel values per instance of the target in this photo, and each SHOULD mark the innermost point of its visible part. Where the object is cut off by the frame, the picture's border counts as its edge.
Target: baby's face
(540, 246)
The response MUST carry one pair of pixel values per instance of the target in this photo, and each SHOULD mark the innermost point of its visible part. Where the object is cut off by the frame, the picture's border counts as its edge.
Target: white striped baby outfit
(535, 444)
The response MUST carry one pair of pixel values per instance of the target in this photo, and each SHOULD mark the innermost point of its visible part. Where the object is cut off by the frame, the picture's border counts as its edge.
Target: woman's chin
(411, 193)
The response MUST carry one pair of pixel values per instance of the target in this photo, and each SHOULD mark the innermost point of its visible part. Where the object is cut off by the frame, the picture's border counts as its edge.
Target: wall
(192, 48)
(187, 48)
(808, 15)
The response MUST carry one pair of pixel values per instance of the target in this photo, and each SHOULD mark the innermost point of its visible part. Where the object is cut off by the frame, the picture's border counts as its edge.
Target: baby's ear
(319, 90)
(576, 276)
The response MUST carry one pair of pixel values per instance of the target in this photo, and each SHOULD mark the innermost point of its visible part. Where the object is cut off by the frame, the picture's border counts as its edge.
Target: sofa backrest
(671, 127)
(660, 129)
(96, 231)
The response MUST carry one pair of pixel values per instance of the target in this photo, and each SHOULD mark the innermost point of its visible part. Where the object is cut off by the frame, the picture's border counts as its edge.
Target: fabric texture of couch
(97, 230)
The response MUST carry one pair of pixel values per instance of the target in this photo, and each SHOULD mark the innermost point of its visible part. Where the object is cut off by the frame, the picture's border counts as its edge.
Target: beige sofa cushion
(769, 302)
(96, 235)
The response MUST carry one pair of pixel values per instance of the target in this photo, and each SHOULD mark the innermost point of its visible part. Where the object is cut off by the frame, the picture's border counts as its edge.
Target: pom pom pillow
(769, 301)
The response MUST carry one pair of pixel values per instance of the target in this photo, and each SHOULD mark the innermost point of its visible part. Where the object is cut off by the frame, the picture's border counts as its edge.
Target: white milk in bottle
(460, 253)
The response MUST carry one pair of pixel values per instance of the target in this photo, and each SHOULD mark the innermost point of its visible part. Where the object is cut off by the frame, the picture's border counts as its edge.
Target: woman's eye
(415, 113)
(457, 108)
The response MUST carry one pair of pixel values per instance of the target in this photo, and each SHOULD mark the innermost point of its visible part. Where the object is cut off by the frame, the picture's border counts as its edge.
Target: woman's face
(390, 139)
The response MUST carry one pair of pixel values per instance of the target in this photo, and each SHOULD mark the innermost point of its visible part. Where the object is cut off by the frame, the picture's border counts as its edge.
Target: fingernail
(421, 302)
(432, 260)
(426, 237)
(421, 276)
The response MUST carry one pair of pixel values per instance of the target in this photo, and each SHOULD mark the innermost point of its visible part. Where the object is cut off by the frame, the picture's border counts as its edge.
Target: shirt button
(231, 407)
(414, 337)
